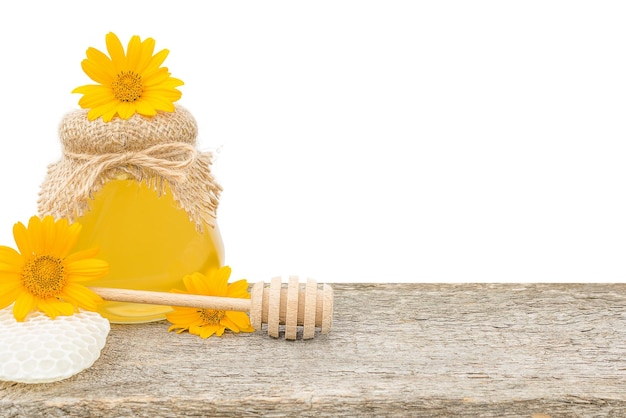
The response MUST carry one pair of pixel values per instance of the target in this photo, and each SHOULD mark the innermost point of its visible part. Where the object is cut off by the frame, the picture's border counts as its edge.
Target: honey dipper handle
(173, 299)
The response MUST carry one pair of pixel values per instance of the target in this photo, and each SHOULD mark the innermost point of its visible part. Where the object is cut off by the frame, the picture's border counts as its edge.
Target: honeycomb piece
(43, 350)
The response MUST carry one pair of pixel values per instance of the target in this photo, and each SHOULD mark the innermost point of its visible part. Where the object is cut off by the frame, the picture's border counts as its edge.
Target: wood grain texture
(488, 350)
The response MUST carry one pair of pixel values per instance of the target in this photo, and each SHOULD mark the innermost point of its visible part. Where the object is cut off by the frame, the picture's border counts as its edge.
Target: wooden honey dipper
(274, 305)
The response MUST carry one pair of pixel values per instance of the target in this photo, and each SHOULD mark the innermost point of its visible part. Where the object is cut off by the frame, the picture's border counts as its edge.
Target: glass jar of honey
(144, 196)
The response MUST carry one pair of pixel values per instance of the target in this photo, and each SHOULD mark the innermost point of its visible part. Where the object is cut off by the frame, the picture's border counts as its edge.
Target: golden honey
(149, 242)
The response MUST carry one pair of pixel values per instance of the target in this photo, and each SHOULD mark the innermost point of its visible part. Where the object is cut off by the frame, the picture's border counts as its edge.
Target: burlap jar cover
(156, 150)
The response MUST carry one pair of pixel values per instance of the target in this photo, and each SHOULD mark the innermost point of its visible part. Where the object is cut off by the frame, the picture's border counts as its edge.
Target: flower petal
(10, 260)
(126, 109)
(238, 289)
(133, 53)
(241, 319)
(160, 97)
(46, 237)
(194, 329)
(156, 62)
(144, 108)
(197, 284)
(71, 235)
(100, 59)
(24, 304)
(90, 267)
(81, 296)
(107, 108)
(162, 94)
(156, 77)
(97, 72)
(220, 281)
(183, 320)
(20, 234)
(178, 328)
(94, 95)
(109, 115)
(54, 308)
(207, 331)
(116, 52)
(81, 255)
(8, 295)
(171, 83)
(229, 324)
(9, 279)
(147, 49)
(59, 236)
(159, 103)
(180, 316)
(34, 234)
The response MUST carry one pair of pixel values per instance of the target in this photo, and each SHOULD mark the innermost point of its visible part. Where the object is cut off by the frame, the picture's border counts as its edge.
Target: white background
(382, 141)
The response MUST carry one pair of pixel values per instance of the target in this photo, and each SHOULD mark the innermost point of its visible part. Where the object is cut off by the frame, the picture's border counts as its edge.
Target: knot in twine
(169, 161)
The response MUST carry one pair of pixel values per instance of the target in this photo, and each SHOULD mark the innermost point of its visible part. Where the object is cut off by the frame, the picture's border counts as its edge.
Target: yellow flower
(129, 83)
(43, 275)
(206, 322)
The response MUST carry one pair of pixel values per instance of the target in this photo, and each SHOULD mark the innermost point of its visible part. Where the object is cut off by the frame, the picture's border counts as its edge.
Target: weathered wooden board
(488, 350)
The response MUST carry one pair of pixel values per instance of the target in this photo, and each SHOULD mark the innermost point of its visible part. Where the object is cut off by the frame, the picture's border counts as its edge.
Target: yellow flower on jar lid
(43, 275)
(128, 82)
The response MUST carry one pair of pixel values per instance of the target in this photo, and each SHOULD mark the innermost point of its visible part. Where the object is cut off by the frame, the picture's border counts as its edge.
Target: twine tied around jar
(166, 160)
(159, 151)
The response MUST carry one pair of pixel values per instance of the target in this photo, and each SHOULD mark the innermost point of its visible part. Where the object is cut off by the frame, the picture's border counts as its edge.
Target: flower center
(127, 87)
(43, 276)
(211, 316)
